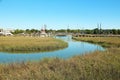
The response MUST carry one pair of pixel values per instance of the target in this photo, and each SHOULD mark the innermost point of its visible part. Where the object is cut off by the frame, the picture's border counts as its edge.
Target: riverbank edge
(101, 43)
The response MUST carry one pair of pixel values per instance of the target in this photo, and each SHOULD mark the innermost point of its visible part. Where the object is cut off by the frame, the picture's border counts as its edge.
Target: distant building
(5, 32)
(43, 33)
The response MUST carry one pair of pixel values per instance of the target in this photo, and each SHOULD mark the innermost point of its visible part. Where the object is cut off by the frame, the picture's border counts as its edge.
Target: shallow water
(74, 48)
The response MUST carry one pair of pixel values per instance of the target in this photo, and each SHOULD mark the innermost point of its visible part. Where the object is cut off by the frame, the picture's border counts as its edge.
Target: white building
(5, 32)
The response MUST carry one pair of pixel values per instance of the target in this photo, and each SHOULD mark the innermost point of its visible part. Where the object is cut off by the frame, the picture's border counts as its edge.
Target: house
(5, 32)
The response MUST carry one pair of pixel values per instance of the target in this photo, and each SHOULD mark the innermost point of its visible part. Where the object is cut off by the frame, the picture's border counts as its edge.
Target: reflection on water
(74, 48)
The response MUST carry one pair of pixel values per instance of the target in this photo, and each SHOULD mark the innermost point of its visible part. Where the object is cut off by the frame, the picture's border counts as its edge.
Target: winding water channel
(74, 48)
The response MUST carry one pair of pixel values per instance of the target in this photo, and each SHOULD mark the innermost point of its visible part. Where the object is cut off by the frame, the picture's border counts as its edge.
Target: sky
(59, 14)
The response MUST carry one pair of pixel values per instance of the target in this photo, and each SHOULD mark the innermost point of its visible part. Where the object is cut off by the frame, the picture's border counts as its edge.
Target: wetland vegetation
(30, 44)
(104, 41)
(99, 65)
(30, 48)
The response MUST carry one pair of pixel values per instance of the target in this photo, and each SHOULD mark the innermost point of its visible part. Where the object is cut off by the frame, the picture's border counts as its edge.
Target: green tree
(118, 31)
(87, 31)
(33, 30)
(114, 31)
(96, 31)
(18, 31)
(28, 31)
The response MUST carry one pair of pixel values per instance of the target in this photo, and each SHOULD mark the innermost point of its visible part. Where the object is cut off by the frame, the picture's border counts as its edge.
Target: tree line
(85, 31)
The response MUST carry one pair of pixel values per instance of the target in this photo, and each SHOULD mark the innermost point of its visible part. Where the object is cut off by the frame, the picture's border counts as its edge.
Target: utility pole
(83, 30)
(68, 29)
(100, 28)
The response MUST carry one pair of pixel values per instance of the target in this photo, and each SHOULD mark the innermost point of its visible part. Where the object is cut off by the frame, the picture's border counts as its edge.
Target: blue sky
(59, 14)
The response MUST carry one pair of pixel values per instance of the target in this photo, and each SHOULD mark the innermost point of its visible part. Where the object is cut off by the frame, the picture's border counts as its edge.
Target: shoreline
(99, 41)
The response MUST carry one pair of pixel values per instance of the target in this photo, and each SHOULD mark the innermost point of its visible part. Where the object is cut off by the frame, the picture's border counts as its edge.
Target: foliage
(18, 31)
(31, 31)
(85, 31)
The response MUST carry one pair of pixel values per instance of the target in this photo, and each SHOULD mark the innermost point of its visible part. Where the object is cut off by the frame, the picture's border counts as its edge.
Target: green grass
(100, 65)
(30, 44)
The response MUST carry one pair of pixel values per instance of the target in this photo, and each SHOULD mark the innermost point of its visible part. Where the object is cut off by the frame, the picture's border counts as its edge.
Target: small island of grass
(30, 44)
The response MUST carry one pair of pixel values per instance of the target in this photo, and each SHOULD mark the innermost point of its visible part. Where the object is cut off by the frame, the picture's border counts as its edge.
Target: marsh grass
(100, 65)
(104, 41)
(95, 66)
(30, 44)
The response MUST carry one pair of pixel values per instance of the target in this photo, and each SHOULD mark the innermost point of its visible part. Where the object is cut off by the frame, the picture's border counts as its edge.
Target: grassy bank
(30, 44)
(95, 66)
(104, 41)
